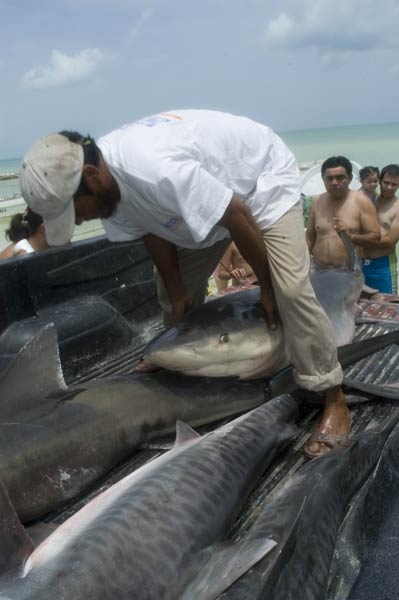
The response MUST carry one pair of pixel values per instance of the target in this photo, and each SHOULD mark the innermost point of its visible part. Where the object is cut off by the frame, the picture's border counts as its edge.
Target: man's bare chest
(348, 214)
(386, 215)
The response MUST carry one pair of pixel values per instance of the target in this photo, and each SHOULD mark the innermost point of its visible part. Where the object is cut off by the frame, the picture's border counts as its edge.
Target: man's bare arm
(370, 229)
(164, 256)
(311, 228)
(244, 231)
(390, 238)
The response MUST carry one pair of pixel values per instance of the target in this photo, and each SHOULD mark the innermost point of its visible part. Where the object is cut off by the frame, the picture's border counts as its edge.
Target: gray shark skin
(364, 555)
(229, 337)
(352, 259)
(56, 441)
(146, 537)
(304, 517)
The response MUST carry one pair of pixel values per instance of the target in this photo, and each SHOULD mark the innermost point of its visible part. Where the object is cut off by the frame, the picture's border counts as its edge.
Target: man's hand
(179, 307)
(270, 306)
(238, 274)
(338, 225)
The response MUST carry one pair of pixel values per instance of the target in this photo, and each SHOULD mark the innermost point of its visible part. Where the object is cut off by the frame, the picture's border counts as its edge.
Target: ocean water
(376, 145)
(9, 187)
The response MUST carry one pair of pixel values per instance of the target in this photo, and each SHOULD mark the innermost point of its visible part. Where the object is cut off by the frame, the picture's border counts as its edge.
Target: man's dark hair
(367, 171)
(392, 170)
(337, 161)
(91, 155)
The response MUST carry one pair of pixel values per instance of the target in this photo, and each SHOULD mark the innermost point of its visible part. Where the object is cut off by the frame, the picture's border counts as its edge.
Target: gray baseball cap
(49, 177)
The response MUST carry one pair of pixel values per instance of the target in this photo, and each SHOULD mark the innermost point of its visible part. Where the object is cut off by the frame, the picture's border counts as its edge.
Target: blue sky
(93, 65)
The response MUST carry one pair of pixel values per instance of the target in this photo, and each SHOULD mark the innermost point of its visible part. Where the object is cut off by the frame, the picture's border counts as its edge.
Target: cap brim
(59, 229)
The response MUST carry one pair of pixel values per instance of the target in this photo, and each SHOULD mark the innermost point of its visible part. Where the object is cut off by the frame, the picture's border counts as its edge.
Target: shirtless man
(339, 209)
(380, 265)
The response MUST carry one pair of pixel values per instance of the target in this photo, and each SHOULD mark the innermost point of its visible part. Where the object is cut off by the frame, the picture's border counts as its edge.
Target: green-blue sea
(9, 187)
(376, 145)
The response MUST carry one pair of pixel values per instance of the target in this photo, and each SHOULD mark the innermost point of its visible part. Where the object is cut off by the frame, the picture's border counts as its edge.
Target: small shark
(229, 336)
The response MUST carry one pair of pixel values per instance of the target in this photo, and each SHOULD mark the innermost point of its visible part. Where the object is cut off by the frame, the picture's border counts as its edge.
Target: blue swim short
(382, 273)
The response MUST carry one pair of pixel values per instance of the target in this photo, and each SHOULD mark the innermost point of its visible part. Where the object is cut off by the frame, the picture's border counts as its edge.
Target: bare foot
(335, 421)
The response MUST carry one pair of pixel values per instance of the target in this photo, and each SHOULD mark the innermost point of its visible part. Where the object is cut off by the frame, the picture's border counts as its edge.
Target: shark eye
(224, 338)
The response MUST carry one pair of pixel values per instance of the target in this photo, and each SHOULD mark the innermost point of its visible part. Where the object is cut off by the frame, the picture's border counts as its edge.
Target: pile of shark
(165, 531)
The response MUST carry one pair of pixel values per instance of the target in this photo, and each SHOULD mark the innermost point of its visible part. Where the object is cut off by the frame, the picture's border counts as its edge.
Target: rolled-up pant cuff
(320, 382)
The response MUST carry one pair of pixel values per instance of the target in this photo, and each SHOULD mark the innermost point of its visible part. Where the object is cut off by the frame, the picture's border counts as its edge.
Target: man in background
(380, 265)
(339, 209)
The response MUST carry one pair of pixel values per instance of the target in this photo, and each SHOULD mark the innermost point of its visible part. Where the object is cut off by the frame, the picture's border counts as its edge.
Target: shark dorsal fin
(185, 433)
(34, 375)
(16, 545)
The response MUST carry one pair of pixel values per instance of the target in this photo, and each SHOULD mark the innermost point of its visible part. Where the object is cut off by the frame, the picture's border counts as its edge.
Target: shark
(229, 337)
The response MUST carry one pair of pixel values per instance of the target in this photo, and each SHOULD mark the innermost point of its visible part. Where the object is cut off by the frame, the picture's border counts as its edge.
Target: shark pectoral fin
(35, 374)
(185, 433)
(222, 565)
(16, 545)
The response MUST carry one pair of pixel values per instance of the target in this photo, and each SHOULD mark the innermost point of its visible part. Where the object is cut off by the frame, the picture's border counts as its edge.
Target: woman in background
(370, 179)
(26, 232)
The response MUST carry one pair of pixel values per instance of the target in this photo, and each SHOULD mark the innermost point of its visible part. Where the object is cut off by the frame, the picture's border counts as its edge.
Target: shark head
(225, 337)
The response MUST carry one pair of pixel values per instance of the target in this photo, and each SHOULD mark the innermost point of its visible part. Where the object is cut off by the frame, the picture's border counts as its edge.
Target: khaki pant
(196, 266)
(309, 337)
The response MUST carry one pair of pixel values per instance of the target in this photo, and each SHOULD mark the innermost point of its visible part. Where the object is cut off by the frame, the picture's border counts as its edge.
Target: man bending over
(187, 182)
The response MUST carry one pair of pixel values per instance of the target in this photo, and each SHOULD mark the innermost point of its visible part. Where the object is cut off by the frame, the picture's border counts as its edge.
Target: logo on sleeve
(173, 223)
(156, 119)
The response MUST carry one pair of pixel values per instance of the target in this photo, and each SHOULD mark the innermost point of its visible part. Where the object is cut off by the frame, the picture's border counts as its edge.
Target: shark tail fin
(352, 258)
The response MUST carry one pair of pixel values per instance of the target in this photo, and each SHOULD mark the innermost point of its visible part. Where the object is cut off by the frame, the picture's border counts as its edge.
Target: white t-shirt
(177, 172)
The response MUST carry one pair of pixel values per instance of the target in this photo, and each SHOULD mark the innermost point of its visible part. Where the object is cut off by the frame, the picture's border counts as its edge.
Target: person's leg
(196, 266)
(309, 337)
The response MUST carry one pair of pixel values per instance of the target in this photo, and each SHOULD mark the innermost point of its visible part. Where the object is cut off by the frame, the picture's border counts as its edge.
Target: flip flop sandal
(331, 441)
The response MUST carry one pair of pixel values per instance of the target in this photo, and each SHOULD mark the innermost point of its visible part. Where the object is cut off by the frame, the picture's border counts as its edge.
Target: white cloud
(339, 26)
(63, 69)
(280, 29)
